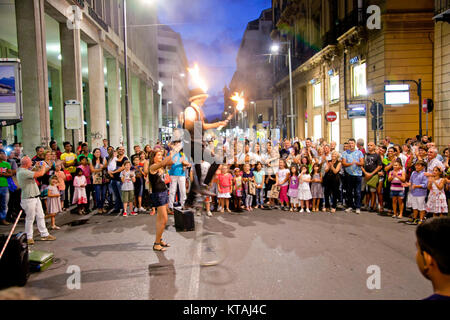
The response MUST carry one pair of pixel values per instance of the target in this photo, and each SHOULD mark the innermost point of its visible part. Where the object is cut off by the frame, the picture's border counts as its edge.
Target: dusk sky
(212, 31)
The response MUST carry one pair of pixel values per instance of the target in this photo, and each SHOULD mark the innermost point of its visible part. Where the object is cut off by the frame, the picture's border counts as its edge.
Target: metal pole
(419, 92)
(173, 99)
(291, 93)
(125, 49)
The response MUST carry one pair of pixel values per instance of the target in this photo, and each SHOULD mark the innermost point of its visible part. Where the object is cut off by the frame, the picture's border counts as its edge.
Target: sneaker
(199, 213)
(307, 210)
(125, 214)
(420, 222)
(133, 213)
(48, 238)
(301, 210)
(142, 209)
(358, 211)
(209, 214)
(349, 210)
(30, 242)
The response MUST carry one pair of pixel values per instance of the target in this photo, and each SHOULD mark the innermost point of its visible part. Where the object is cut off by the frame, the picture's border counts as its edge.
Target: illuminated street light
(275, 48)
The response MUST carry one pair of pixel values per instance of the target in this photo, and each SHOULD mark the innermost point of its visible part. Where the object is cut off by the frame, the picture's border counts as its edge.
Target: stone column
(114, 105)
(145, 111)
(30, 23)
(58, 107)
(136, 110)
(152, 115)
(123, 106)
(72, 83)
(97, 101)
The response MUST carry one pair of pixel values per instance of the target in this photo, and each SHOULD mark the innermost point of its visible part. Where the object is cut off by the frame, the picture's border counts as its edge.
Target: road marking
(194, 283)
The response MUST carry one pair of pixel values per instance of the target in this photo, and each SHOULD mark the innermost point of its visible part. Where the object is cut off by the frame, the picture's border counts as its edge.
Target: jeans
(116, 187)
(175, 181)
(100, 194)
(354, 191)
(33, 211)
(259, 197)
(248, 200)
(4, 199)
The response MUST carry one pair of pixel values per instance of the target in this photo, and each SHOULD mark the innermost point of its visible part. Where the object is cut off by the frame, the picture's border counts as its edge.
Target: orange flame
(197, 78)
(239, 98)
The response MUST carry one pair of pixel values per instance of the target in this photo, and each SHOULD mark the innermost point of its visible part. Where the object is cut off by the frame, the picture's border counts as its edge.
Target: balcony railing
(441, 6)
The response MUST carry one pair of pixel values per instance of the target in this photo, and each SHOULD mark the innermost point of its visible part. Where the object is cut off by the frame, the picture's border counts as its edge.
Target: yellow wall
(442, 84)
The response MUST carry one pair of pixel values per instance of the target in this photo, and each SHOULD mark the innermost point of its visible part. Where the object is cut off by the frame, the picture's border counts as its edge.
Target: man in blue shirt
(352, 161)
(178, 178)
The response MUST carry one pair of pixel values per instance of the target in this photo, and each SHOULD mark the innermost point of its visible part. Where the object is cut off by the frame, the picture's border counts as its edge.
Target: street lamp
(275, 49)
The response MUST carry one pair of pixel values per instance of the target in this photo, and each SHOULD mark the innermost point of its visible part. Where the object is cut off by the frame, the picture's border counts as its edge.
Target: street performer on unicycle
(194, 123)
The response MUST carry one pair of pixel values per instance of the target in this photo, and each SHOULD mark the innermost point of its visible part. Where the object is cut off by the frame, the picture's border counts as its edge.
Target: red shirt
(225, 181)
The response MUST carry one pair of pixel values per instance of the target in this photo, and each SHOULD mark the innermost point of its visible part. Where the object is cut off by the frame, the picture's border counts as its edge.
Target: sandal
(55, 228)
(163, 244)
(158, 244)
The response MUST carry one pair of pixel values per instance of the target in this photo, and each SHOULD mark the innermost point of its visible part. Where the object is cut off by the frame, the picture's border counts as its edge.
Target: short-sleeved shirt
(127, 185)
(372, 161)
(258, 177)
(119, 164)
(86, 172)
(70, 158)
(351, 156)
(435, 163)
(282, 174)
(4, 165)
(26, 181)
(90, 156)
(177, 167)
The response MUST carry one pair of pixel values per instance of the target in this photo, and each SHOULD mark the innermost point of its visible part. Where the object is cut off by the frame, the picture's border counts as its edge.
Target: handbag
(252, 188)
(275, 192)
(11, 185)
(68, 175)
(373, 181)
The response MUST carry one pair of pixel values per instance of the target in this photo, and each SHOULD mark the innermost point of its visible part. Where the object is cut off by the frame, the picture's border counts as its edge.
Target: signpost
(72, 116)
(331, 116)
(11, 105)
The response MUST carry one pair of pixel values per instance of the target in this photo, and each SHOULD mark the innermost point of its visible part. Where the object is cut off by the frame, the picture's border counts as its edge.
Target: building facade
(173, 73)
(74, 50)
(254, 75)
(342, 61)
(441, 61)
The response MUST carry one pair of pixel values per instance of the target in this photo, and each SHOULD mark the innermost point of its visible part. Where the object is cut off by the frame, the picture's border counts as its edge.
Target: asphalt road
(258, 255)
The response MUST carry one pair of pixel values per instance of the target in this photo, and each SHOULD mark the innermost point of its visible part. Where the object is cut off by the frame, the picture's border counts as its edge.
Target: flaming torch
(239, 98)
(197, 78)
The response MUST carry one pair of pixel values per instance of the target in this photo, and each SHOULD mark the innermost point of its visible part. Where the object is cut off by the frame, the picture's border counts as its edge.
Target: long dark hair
(152, 156)
(94, 158)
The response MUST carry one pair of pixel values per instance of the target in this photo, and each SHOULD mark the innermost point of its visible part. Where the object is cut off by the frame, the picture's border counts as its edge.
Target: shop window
(359, 80)
(334, 88)
(317, 95)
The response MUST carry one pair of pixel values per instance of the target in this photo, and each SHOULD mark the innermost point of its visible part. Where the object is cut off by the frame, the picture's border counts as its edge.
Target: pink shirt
(225, 181)
(86, 173)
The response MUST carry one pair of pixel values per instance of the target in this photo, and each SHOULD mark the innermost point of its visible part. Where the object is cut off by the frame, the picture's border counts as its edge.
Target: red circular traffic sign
(331, 116)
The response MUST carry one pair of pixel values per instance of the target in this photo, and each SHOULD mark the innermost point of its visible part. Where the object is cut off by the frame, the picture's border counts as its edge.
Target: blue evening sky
(212, 31)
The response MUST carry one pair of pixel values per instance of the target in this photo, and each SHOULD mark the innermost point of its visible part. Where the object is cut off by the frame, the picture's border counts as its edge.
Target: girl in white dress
(79, 196)
(304, 191)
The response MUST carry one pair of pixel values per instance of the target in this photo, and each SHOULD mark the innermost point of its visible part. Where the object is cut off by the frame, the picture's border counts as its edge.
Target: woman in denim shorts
(159, 196)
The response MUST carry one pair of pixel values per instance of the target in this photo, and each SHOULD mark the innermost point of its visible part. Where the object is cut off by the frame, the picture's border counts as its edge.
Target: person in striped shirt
(397, 178)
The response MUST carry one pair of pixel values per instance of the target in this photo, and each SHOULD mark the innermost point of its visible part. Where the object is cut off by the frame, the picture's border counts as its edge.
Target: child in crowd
(418, 186)
(225, 180)
(128, 178)
(316, 187)
(61, 176)
(397, 178)
(54, 201)
(84, 165)
(304, 192)
(283, 177)
(138, 184)
(79, 195)
(437, 202)
(271, 180)
(293, 188)
(258, 173)
(248, 178)
(237, 185)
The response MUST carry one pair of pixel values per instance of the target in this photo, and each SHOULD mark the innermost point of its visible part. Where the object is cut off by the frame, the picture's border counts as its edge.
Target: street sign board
(331, 116)
(396, 94)
(356, 111)
(72, 113)
(11, 109)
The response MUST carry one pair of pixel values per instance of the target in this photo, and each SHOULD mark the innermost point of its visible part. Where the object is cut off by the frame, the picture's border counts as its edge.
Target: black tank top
(156, 183)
